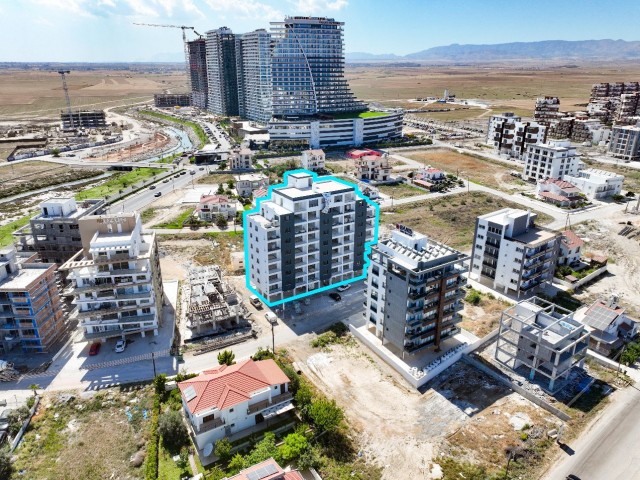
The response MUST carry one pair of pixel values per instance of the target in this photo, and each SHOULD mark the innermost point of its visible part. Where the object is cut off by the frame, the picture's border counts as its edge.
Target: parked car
(271, 318)
(157, 194)
(152, 187)
(166, 180)
(255, 301)
(184, 172)
(120, 346)
(94, 349)
(342, 288)
(335, 296)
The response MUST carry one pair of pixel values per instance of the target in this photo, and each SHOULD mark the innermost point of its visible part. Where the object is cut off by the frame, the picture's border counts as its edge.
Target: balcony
(116, 257)
(275, 400)
(210, 425)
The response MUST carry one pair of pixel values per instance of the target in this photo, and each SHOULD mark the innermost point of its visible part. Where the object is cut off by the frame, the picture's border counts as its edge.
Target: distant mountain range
(560, 50)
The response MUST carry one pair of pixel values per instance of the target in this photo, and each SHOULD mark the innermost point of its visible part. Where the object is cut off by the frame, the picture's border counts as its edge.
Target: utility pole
(153, 359)
(273, 339)
(66, 95)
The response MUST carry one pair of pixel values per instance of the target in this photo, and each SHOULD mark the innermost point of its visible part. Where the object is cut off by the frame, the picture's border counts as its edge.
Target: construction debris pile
(213, 304)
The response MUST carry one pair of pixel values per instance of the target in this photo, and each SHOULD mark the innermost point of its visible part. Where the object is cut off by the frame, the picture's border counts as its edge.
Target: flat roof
(535, 235)
(24, 277)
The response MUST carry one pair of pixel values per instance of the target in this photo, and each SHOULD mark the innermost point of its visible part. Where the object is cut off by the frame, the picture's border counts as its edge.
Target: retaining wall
(582, 281)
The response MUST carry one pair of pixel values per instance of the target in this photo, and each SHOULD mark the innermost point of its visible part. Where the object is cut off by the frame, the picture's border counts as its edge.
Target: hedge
(151, 465)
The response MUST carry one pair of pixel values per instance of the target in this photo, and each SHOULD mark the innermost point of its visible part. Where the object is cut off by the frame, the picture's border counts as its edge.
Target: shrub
(263, 450)
(223, 450)
(221, 221)
(173, 431)
(6, 469)
(30, 402)
(262, 354)
(325, 414)
(159, 384)
(473, 297)
(181, 377)
(236, 464)
(226, 357)
(151, 465)
(294, 445)
(303, 398)
(16, 418)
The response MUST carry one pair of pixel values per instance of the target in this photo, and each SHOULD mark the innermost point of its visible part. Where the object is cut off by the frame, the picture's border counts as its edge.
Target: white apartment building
(250, 182)
(230, 401)
(373, 167)
(511, 254)
(414, 291)
(625, 143)
(311, 233)
(508, 134)
(116, 278)
(313, 160)
(597, 184)
(551, 160)
(254, 75)
(241, 159)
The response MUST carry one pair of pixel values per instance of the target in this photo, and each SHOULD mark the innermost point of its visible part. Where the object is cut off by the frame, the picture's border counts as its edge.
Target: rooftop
(225, 386)
(267, 470)
(24, 277)
(564, 185)
(571, 240)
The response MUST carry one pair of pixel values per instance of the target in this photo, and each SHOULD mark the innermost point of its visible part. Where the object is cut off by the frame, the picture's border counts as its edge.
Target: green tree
(220, 190)
(236, 464)
(310, 458)
(325, 414)
(294, 445)
(262, 354)
(264, 449)
(231, 184)
(34, 388)
(55, 152)
(159, 384)
(223, 450)
(303, 398)
(223, 166)
(221, 221)
(173, 431)
(226, 357)
(473, 297)
(6, 469)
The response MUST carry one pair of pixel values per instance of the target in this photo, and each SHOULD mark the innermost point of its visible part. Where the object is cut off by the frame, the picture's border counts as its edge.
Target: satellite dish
(208, 449)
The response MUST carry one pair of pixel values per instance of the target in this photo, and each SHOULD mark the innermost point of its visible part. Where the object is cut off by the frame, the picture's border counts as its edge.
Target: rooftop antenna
(66, 94)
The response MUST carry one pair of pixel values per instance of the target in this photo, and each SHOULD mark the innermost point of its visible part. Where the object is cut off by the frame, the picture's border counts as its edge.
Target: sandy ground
(399, 428)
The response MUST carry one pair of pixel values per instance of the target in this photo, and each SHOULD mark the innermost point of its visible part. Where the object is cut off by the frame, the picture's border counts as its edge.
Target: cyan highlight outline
(367, 245)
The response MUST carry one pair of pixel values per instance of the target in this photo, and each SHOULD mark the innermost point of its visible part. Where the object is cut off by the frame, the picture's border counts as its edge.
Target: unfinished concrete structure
(171, 100)
(54, 233)
(197, 56)
(542, 338)
(212, 304)
(83, 119)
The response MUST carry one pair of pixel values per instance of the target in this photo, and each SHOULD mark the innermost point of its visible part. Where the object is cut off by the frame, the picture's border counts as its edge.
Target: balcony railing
(256, 407)
(210, 425)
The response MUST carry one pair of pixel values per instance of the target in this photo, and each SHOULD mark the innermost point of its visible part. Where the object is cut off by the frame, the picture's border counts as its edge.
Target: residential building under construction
(197, 58)
(212, 303)
(83, 119)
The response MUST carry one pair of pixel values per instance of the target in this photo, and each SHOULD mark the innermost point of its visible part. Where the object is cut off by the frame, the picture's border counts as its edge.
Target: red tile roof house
(570, 246)
(234, 401)
(559, 192)
(267, 470)
(211, 205)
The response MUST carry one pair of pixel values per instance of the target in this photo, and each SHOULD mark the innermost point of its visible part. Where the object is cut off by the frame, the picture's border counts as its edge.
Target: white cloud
(319, 6)
(43, 21)
(246, 9)
(77, 7)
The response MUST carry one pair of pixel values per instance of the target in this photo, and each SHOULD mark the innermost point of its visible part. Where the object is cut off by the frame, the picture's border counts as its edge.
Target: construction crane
(184, 41)
(66, 94)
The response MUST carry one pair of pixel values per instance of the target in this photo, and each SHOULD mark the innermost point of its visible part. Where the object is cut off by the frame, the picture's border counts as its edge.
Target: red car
(95, 348)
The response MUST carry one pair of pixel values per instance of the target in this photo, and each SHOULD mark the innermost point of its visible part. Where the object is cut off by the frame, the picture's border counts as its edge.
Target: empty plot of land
(455, 112)
(17, 178)
(401, 190)
(450, 219)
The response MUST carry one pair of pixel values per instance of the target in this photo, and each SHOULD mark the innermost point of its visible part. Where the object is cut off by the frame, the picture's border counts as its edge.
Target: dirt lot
(502, 85)
(451, 219)
(27, 176)
(92, 437)
(481, 319)
(31, 94)
(401, 190)
(481, 171)
(400, 428)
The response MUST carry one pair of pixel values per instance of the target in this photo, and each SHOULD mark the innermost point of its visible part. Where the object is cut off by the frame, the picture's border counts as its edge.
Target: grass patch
(336, 333)
(170, 470)
(119, 182)
(346, 116)
(451, 219)
(148, 214)
(6, 237)
(197, 129)
(170, 158)
(401, 190)
(216, 179)
(178, 221)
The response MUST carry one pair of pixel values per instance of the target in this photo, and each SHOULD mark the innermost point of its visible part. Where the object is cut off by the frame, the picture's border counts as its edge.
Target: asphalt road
(609, 449)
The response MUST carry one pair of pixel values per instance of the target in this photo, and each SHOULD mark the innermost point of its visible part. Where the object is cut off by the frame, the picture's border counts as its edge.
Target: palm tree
(34, 387)
(226, 357)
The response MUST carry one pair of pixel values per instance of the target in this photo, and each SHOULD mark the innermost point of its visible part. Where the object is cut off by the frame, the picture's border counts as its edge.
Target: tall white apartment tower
(310, 233)
(222, 73)
(511, 253)
(116, 278)
(254, 75)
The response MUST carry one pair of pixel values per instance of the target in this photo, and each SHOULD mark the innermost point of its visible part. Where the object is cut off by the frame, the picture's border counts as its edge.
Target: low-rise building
(241, 159)
(373, 168)
(541, 339)
(414, 291)
(116, 278)
(234, 401)
(210, 206)
(551, 160)
(267, 470)
(313, 160)
(361, 152)
(559, 192)
(511, 253)
(430, 174)
(597, 184)
(210, 154)
(508, 134)
(32, 315)
(172, 100)
(625, 142)
(54, 233)
(248, 183)
(83, 119)
(608, 324)
(570, 248)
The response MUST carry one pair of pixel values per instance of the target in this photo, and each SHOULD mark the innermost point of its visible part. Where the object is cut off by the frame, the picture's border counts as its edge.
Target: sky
(103, 30)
